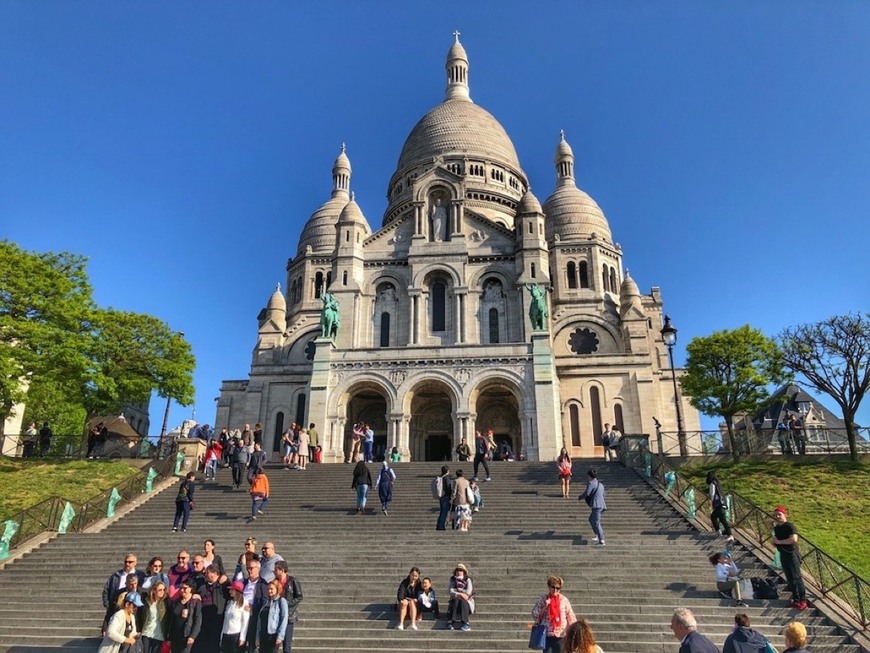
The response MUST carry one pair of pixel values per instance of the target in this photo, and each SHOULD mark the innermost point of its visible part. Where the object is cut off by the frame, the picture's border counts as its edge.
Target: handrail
(829, 577)
(763, 441)
(45, 516)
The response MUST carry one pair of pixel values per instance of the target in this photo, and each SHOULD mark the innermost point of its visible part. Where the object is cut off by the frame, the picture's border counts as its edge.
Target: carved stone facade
(435, 339)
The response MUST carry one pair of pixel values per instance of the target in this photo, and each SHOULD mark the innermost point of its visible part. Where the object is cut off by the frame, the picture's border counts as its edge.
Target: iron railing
(45, 516)
(763, 441)
(826, 575)
(75, 447)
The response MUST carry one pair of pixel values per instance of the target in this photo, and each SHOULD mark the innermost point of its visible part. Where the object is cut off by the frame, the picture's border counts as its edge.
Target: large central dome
(458, 127)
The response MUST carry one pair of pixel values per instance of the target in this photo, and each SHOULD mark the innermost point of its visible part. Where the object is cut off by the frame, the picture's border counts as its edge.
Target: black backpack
(764, 588)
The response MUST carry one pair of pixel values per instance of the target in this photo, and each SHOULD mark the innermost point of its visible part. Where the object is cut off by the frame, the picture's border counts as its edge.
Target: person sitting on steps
(426, 600)
(406, 598)
(461, 606)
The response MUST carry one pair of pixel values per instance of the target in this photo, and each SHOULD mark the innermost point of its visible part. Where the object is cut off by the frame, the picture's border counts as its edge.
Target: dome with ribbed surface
(319, 232)
(529, 204)
(277, 301)
(352, 214)
(458, 127)
(573, 215)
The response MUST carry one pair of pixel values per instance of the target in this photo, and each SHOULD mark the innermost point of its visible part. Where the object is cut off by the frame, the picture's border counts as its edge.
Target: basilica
(472, 307)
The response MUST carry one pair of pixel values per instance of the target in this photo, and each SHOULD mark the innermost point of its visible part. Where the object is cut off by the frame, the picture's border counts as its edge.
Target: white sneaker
(413, 626)
(400, 627)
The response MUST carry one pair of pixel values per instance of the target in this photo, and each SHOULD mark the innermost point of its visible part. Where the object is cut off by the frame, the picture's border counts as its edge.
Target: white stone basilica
(435, 338)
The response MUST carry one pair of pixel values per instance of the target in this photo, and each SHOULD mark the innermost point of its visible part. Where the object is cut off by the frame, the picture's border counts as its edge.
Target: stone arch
(279, 418)
(431, 405)
(419, 279)
(498, 403)
(369, 399)
(609, 337)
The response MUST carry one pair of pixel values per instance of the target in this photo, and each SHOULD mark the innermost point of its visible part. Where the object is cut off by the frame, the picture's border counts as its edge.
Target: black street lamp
(669, 337)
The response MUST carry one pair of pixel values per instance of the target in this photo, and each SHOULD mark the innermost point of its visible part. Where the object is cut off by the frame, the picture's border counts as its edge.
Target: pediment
(482, 232)
(393, 238)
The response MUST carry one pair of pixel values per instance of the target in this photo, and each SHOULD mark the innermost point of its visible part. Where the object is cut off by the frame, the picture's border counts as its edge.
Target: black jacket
(293, 594)
(745, 640)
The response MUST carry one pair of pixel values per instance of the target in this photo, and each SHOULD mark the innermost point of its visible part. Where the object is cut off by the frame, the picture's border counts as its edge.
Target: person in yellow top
(259, 493)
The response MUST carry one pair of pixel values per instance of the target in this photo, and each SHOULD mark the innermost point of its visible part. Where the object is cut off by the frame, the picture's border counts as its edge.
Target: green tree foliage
(833, 356)
(49, 401)
(730, 372)
(53, 335)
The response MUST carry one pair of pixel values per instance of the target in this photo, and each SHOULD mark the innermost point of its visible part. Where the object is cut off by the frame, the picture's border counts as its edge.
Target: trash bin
(193, 450)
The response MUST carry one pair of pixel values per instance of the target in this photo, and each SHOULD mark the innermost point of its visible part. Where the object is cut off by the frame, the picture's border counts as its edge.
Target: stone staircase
(350, 564)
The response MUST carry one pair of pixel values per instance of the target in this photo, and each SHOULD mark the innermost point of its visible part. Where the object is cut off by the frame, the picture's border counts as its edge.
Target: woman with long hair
(563, 465)
(211, 557)
(121, 632)
(406, 597)
(236, 618)
(717, 500)
(554, 610)
(362, 480)
(155, 573)
(579, 638)
(272, 626)
(155, 629)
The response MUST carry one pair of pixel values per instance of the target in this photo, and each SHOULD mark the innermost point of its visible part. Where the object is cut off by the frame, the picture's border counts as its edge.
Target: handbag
(538, 637)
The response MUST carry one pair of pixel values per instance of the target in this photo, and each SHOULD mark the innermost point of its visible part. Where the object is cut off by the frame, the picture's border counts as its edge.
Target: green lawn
(829, 501)
(24, 483)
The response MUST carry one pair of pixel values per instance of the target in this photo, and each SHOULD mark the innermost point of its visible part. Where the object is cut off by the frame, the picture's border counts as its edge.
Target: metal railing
(826, 575)
(46, 515)
(74, 447)
(764, 441)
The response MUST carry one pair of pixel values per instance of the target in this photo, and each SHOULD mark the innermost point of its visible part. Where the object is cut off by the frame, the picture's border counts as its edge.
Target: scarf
(554, 614)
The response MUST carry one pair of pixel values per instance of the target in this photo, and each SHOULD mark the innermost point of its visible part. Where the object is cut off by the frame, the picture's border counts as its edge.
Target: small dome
(341, 161)
(573, 215)
(457, 52)
(319, 231)
(563, 149)
(629, 287)
(529, 204)
(352, 214)
(277, 302)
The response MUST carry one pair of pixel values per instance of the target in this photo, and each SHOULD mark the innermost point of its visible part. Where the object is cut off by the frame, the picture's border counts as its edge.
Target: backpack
(764, 588)
(182, 492)
(437, 487)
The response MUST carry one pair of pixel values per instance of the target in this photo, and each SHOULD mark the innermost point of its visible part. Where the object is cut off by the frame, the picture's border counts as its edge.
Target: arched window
(613, 285)
(595, 404)
(318, 284)
(439, 305)
(531, 227)
(300, 409)
(572, 275)
(279, 429)
(328, 279)
(574, 415)
(534, 271)
(617, 418)
(605, 279)
(385, 329)
(493, 326)
(584, 275)
(344, 278)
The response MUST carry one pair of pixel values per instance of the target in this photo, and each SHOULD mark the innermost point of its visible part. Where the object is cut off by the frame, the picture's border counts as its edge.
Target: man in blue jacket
(685, 629)
(744, 639)
(594, 498)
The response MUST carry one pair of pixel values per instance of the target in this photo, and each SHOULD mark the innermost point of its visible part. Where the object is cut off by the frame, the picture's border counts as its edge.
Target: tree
(730, 372)
(833, 356)
(52, 402)
(45, 305)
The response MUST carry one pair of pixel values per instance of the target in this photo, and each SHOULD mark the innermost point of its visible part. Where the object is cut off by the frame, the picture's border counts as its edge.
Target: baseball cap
(134, 598)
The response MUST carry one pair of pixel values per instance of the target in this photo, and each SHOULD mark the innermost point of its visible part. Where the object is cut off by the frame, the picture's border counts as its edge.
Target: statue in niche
(492, 292)
(387, 295)
(538, 308)
(438, 215)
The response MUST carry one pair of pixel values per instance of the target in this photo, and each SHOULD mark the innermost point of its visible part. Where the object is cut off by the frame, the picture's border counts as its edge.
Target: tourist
(272, 621)
(426, 600)
(462, 500)
(256, 596)
(727, 577)
(236, 619)
(30, 435)
(463, 451)
(445, 499)
(594, 497)
(798, 436)
(184, 502)
(212, 559)
(461, 592)
(554, 610)
(490, 444)
(384, 485)
(197, 575)
(257, 462)
(240, 458)
(224, 440)
(785, 538)
(685, 629)
(258, 434)
(481, 454)
(406, 598)
(368, 443)
(121, 630)
(292, 593)
(154, 573)
(362, 480)
(505, 452)
(395, 455)
(213, 596)
(474, 486)
(563, 466)
(579, 638)
(289, 449)
(744, 639)
(359, 434)
(302, 450)
(795, 638)
(782, 435)
(211, 460)
(179, 573)
(186, 620)
(268, 559)
(259, 493)
(610, 441)
(717, 500)
(241, 572)
(117, 584)
(45, 435)
(248, 438)
(157, 613)
(313, 443)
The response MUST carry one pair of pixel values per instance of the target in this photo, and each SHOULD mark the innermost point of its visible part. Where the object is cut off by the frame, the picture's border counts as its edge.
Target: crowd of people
(198, 605)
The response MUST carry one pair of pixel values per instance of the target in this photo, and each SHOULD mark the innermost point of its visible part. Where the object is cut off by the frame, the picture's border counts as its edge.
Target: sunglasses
(130, 562)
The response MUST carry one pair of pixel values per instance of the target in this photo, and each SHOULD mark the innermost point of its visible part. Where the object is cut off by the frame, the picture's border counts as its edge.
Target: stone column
(414, 334)
(543, 420)
(457, 317)
(405, 436)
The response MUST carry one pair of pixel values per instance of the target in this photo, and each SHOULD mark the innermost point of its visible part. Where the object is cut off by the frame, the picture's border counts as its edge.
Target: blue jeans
(595, 522)
(362, 491)
(211, 466)
(182, 513)
(288, 637)
(367, 451)
(444, 507)
(258, 504)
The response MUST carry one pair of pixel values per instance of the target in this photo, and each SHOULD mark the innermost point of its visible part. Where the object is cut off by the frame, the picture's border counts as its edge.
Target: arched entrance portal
(367, 404)
(497, 409)
(431, 425)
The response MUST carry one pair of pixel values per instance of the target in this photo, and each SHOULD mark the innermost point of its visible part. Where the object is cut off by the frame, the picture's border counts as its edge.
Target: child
(395, 456)
(727, 577)
(478, 500)
(426, 601)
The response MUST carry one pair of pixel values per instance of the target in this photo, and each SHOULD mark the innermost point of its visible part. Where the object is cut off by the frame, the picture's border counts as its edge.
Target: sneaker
(174, 529)
(183, 530)
(260, 512)
(595, 539)
(475, 509)
(400, 627)
(795, 604)
(253, 519)
(486, 479)
(601, 543)
(729, 539)
(465, 627)
(450, 626)
(802, 605)
(413, 626)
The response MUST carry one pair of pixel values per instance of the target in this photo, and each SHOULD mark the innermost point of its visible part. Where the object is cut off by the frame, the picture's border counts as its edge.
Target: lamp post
(669, 337)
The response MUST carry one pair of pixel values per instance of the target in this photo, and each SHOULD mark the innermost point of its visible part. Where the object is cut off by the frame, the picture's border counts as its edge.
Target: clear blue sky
(181, 146)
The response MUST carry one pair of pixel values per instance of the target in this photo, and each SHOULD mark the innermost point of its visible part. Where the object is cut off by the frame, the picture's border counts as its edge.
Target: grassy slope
(829, 501)
(24, 483)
